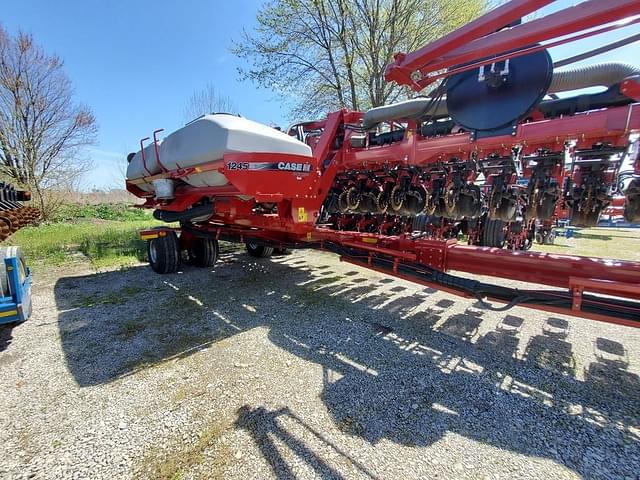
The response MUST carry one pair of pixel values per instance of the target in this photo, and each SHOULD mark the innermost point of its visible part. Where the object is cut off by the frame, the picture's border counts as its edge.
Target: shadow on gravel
(265, 426)
(391, 370)
(5, 336)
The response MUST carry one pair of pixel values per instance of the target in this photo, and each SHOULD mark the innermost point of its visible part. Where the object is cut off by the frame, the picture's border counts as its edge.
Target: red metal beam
(432, 77)
(470, 44)
(532, 267)
(406, 63)
(542, 268)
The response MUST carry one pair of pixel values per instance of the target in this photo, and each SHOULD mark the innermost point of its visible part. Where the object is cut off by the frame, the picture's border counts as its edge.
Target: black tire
(259, 251)
(203, 252)
(468, 206)
(281, 251)
(7, 252)
(493, 235)
(164, 253)
(420, 222)
(551, 238)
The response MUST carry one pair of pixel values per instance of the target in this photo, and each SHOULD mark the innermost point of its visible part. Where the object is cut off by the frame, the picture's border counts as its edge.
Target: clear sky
(135, 63)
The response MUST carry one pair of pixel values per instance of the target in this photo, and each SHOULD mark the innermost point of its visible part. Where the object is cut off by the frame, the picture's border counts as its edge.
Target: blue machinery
(15, 278)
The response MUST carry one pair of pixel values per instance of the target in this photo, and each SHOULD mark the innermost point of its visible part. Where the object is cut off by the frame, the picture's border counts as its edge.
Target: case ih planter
(490, 152)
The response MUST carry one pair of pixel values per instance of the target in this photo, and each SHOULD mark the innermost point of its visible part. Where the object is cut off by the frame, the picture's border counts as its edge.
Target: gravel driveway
(302, 366)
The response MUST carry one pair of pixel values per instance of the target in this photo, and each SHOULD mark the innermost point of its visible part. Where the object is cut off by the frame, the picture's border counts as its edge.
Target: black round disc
(486, 105)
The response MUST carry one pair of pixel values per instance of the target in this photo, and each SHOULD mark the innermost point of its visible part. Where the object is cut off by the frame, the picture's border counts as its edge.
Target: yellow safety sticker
(149, 236)
(302, 215)
(8, 313)
(309, 236)
(369, 240)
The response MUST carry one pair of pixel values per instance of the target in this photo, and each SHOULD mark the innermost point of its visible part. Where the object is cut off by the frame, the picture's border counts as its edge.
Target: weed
(172, 465)
(118, 297)
(130, 328)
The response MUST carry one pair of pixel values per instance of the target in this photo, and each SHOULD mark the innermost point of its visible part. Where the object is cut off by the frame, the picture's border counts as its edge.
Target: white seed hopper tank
(207, 139)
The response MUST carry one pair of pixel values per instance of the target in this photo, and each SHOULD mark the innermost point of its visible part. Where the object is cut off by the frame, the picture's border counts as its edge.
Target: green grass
(101, 211)
(104, 243)
(618, 243)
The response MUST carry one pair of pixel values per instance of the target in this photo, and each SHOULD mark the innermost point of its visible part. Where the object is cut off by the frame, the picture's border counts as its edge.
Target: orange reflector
(369, 240)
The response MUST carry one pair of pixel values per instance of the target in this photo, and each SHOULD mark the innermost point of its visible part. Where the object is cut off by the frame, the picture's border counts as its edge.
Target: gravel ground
(302, 366)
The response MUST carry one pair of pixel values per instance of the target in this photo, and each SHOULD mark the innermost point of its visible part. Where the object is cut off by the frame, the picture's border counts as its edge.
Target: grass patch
(174, 326)
(618, 243)
(118, 297)
(173, 464)
(121, 212)
(104, 243)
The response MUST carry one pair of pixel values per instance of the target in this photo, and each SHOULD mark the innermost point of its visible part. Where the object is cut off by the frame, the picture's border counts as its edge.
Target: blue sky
(135, 63)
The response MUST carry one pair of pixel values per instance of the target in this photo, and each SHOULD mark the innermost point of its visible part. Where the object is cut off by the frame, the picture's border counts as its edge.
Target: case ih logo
(264, 166)
(295, 167)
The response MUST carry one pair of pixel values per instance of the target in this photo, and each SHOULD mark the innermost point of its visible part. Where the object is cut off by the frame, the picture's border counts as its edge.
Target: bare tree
(329, 54)
(205, 101)
(42, 130)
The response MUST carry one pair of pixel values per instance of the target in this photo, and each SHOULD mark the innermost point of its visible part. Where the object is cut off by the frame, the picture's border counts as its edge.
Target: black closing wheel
(203, 252)
(164, 253)
(259, 251)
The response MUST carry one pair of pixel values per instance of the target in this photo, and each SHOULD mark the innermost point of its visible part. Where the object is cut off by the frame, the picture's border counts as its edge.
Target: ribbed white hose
(598, 75)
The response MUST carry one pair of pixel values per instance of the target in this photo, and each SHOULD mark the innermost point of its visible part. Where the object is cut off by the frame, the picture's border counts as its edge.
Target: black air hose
(185, 215)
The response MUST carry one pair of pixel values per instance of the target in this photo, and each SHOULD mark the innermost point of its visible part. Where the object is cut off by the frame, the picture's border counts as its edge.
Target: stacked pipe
(12, 219)
(13, 214)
